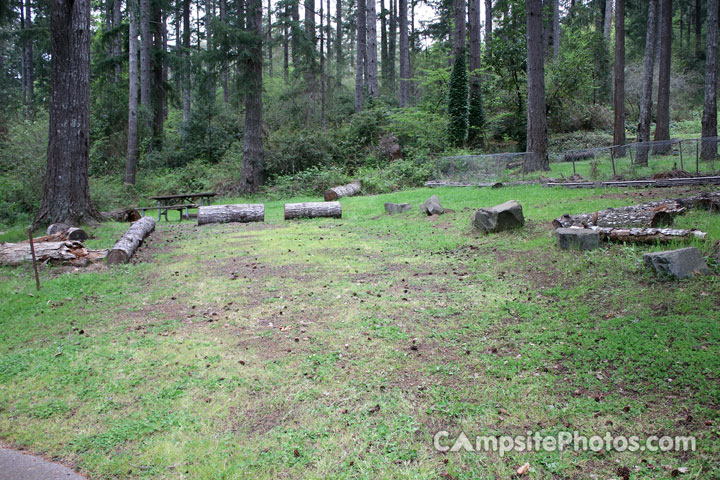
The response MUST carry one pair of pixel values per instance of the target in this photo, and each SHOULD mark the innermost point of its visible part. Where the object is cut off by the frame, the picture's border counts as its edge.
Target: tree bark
(646, 95)
(537, 159)
(125, 248)
(342, 191)
(224, 64)
(29, 72)
(662, 120)
(372, 58)
(241, 213)
(404, 53)
(310, 66)
(488, 24)
(556, 29)
(607, 22)
(392, 45)
(361, 49)
(186, 62)
(619, 90)
(384, 46)
(65, 252)
(460, 33)
(338, 42)
(295, 32)
(475, 116)
(647, 235)
(652, 214)
(709, 117)
(253, 153)
(66, 194)
(286, 42)
(269, 38)
(131, 157)
(698, 28)
(313, 210)
(145, 42)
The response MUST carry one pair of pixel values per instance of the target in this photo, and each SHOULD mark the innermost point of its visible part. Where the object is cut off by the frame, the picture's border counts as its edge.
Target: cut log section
(69, 252)
(243, 213)
(60, 231)
(313, 210)
(130, 241)
(648, 215)
(56, 228)
(342, 191)
(123, 215)
(647, 235)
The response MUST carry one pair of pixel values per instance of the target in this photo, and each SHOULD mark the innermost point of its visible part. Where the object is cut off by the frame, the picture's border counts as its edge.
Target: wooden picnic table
(164, 200)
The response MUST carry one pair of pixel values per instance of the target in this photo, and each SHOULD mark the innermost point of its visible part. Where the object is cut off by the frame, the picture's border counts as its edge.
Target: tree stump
(241, 213)
(313, 210)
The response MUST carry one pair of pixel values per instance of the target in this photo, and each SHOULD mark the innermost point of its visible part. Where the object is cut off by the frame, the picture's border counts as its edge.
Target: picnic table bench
(186, 201)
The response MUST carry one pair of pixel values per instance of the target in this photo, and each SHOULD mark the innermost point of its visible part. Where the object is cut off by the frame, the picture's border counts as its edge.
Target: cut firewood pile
(642, 223)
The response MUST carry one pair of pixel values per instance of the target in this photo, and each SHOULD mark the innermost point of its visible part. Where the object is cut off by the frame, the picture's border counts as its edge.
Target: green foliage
(476, 116)
(458, 101)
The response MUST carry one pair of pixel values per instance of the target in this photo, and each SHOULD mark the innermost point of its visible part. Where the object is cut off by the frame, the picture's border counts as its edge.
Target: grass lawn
(338, 348)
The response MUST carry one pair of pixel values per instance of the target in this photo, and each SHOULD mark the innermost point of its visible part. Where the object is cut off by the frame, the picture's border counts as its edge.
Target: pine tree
(458, 101)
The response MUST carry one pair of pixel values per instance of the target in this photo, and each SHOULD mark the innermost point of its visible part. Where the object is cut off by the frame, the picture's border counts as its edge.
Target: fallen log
(56, 228)
(313, 210)
(70, 252)
(647, 235)
(705, 200)
(663, 182)
(342, 191)
(122, 215)
(653, 215)
(130, 241)
(242, 213)
(60, 231)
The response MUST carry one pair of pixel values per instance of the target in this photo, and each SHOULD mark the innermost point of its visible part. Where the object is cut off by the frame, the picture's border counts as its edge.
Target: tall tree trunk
(646, 95)
(338, 42)
(476, 115)
(392, 44)
(224, 64)
(404, 53)
(117, 38)
(322, 67)
(536, 120)
(328, 43)
(488, 24)
(295, 32)
(619, 90)
(698, 28)
(253, 153)
(269, 37)
(145, 42)
(361, 55)
(709, 117)
(66, 194)
(131, 157)
(662, 120)
(460, 31)
(384, 46)
(186, 62)
(607, 22)
(372, 60)
(286, 42)
(29, 57)
(310, 66)
(556, 29)
(158, 81)
(23, 54)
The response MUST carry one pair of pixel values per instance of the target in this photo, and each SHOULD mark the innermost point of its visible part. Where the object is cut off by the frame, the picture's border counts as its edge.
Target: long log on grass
(647, 235)
(313, 210)
(242, 213)
(122, 215)
(66, 252)
(342, 191)
(648, 215)
(704, 200)
(130, 241)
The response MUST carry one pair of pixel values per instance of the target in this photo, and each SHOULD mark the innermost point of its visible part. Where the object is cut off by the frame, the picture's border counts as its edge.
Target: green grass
(337, 348)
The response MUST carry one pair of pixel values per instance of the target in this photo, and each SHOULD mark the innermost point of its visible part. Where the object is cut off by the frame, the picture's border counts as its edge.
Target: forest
(241, 97)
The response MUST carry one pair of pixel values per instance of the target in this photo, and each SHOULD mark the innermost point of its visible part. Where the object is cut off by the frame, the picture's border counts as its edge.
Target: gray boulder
(681, 263)
(432, 206)
(506, 216)
(577, 238)
(397, 207)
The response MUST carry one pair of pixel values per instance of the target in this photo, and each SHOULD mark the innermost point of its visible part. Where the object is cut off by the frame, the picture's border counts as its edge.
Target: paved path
(20, 466)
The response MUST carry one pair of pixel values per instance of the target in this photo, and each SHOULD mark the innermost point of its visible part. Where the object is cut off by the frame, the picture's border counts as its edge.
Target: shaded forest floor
(338, 348)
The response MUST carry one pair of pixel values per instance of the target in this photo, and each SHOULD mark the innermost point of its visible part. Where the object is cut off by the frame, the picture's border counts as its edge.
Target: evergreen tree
(458, 101)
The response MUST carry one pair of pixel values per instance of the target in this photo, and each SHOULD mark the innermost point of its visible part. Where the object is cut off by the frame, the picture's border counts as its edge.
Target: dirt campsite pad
(339, 348)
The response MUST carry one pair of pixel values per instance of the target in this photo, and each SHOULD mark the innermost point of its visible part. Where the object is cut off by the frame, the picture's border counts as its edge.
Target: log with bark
(313, 210)
(122, 215)
(61, 231)
(242, 213)
(647, 235)
(67, 252)
(652, 214)
(130, 241)
(342, 191)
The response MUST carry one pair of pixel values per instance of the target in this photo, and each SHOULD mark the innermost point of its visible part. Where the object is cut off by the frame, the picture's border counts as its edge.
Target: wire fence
(661, 159)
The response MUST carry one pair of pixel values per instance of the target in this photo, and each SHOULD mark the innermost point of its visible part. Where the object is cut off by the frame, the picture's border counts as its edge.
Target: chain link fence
(674, 158)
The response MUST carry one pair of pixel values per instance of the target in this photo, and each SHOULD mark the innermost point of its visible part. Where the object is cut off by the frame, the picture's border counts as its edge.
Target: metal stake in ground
(32, 252)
